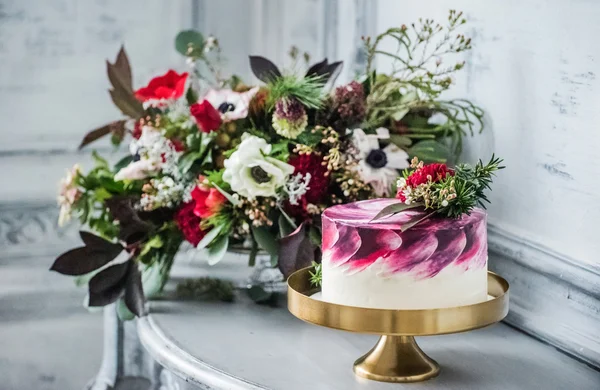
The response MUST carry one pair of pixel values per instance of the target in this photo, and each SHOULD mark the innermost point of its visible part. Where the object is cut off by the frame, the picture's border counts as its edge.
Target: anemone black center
(226, 107)
(377, 158)
(259, 174)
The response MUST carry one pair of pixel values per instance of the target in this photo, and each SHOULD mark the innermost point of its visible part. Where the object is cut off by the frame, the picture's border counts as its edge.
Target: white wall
(534, 67)
(53, 84)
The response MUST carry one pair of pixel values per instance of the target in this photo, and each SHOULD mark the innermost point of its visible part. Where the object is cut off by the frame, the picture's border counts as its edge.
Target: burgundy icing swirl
(350, 239)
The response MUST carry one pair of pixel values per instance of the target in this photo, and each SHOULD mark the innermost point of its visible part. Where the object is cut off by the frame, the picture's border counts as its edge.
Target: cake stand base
(396, 359)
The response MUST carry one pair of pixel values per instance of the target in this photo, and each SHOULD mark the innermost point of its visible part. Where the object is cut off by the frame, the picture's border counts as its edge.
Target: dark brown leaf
(123, 67)
(297, 251)
(132, 227)
(83, 260)
(116, 127)
(134, 293)
(314, 69)
(98, 243)
(108, 296)
(127, 103)
(325, 70)
(264, 69)
(109, 278)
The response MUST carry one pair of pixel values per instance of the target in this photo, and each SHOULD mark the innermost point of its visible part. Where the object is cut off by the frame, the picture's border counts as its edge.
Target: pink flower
(137, 170)
(232, 105)
(208, 201)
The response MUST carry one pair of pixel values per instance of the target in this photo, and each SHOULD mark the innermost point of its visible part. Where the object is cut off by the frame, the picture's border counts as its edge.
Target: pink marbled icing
(350, 239)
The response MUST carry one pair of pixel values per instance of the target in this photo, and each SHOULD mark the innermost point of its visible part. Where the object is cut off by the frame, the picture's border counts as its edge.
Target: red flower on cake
(207, 117)
(431, 172)
(189, 223)
(318, 184)
(168, 86)
(208, 201)
(434, 172)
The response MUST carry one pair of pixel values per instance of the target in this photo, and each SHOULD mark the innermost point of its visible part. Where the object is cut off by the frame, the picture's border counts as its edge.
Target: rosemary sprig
(316, 277)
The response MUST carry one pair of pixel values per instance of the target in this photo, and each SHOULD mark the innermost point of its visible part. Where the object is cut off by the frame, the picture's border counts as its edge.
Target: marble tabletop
(242, 345)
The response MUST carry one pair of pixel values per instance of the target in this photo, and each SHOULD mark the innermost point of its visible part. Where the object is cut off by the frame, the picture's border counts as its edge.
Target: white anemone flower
(232, 105)
(376, 166)
(251, 172)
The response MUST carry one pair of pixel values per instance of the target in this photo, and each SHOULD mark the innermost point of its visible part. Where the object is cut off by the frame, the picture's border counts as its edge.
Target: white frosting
(453, 286)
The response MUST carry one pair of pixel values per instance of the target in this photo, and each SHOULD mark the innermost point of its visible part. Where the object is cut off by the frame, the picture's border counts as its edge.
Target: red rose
(189, 223)
(436, 171)
(206, 116)
(208, 201)
(168, 86)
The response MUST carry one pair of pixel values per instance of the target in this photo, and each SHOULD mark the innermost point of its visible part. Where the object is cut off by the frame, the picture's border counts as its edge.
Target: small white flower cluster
(179, 112)
(296, 187)
(157, 149)
(69, 193)
(162, 192)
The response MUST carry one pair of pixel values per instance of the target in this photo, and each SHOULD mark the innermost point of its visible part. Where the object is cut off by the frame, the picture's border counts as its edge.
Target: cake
(439, 262)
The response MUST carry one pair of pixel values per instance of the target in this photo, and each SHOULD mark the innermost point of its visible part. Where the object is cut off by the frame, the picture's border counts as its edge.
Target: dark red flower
(137, 130)
(434, 171)
(171, 85)
(208, 201)
(178, 145)
(189, 223)
(318, 184)
(207, 117)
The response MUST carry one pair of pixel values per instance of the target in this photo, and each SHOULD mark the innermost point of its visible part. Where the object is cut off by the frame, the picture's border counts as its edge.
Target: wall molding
(552, 297)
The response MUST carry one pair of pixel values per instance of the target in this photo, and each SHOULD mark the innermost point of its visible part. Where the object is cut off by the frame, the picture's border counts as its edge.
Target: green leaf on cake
(395, 209)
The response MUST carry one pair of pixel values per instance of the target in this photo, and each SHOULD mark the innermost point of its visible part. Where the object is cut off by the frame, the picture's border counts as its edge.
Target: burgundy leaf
(134, 293)
(116, 127)
(109, 278)
(297, 251)
(315, 69)
(264, 69)
(132, 227)
(127, 103)
(123, 67)
(83, 260)
(107, 286)
(98, 243)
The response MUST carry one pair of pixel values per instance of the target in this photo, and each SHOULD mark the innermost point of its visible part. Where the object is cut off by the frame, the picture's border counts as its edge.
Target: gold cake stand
(396, 357)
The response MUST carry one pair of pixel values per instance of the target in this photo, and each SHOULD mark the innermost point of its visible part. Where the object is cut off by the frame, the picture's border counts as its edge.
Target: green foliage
(308, 90)
(410, 94)
(316, 276)
(430, 151)
(470, 184)
(190, 43)
(206, 289)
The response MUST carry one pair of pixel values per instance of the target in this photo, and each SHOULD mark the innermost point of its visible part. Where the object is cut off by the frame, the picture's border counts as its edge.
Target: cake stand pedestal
(396, 357)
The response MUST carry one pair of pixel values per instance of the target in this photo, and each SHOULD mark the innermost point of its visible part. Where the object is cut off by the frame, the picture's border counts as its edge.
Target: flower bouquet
(219, 163)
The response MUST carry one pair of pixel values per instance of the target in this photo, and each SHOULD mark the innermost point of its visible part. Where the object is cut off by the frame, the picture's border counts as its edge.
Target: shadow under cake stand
(396, 357)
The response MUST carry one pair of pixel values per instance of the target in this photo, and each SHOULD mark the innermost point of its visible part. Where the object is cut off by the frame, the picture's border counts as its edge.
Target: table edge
(168, 354)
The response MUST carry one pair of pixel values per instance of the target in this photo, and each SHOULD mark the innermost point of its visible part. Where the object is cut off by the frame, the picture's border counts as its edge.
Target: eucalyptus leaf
(398, 115)
(190, 43)
(123, 312)
(265, 239)
(401, 141)
(415, 221)
(209, 237)
(217, 250)
(430, 151)
(395, 208)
